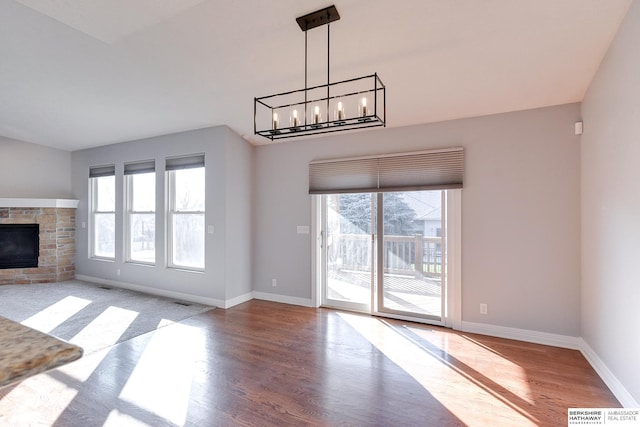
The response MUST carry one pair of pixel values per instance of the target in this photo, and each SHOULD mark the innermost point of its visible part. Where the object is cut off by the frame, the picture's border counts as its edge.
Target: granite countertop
(25, 352)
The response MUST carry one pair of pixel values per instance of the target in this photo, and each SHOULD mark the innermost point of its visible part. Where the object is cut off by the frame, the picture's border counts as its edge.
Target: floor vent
(182, 303)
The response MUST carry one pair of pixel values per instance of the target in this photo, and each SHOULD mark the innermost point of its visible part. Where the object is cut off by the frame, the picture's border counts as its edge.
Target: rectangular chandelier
(332, 107)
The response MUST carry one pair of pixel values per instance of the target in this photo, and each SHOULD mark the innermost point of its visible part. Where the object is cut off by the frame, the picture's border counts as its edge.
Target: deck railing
(410, 255)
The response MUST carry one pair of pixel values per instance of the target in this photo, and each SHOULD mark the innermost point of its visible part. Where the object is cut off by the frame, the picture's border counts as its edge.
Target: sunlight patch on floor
(450, 386)
(483, 359)
(106, 329)
(161, 380)
(82, 369)
(53, 316)
(19, 408)
(118, 419)
(102, 332)
(511, 375)
(165, 322)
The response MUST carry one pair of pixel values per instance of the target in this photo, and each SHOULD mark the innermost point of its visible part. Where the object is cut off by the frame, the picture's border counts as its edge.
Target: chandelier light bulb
(340, 112)
(316, 115)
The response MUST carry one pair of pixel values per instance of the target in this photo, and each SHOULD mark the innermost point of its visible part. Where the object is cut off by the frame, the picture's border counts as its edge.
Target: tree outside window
(141, 217)
(187, 218)
(103, 203)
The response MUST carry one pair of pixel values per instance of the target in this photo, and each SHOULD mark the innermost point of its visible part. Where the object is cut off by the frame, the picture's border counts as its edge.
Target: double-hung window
(102, 190)
(140, 200)
(186, 212)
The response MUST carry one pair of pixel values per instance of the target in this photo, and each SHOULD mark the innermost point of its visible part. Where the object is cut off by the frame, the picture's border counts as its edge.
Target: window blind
(185, 162)
(98, 171)
(424, 170)
(140, 167)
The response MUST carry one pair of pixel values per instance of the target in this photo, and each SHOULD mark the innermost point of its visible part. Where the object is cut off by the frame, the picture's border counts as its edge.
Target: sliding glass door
(349, 250)
(412, 247)
(384, 253)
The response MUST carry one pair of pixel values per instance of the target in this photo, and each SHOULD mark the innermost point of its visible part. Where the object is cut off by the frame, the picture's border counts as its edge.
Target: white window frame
(93, 196)
(171, 213)
(129, 212)
(452, 314)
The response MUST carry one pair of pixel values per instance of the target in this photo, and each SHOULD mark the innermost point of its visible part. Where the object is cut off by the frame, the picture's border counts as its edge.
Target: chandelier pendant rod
(328, 58)
(305, 79)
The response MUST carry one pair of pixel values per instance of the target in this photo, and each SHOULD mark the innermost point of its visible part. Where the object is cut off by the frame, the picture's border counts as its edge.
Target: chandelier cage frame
(323, 108)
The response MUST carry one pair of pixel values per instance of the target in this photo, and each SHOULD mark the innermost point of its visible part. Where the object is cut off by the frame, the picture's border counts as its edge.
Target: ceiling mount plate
(318, 18)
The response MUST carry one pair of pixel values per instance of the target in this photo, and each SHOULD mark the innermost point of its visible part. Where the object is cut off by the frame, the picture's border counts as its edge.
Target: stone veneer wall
(57, 245)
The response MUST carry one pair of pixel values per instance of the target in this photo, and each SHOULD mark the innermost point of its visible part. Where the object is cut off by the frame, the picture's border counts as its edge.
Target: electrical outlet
(274, 282)
(483, 308)
(118, 272)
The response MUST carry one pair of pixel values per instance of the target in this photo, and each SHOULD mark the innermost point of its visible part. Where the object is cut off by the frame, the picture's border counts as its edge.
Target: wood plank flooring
(269, 364)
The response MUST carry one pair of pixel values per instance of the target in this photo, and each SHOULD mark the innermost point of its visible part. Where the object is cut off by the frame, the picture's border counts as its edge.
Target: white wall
(520, 220)
(611, 208)
(33, 171)
(227, 209)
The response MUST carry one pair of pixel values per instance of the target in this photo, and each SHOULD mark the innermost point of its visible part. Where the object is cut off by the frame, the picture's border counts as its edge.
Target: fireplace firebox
(19, 245)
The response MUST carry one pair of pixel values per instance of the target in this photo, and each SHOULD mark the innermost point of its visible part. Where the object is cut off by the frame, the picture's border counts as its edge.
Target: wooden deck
(421, 296)
(270, 364)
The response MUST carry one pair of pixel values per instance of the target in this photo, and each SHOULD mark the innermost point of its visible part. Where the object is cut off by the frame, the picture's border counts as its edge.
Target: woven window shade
(185, 162)
(425, 170)
(140, 167)
(98, 171)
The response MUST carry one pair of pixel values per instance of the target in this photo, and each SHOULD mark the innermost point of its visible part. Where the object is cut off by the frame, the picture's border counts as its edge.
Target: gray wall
(238, 208)
(521, 218)
(227, 257)
(33, 171)
(611, 207)
(520, 212)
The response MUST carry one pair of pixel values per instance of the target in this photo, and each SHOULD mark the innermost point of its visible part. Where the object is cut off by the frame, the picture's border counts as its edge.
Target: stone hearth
(57, 221)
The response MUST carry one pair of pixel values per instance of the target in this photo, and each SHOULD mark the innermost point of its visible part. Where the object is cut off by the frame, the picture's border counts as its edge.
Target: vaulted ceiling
(76, 74)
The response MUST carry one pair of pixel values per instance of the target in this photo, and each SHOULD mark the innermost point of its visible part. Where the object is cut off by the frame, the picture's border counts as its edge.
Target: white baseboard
(305, 302)
(238, 300)
(545, 338)
(154, 291)
(614, 384)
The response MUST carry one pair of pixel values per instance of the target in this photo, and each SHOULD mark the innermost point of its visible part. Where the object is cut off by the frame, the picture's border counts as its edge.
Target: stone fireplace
(57, 221)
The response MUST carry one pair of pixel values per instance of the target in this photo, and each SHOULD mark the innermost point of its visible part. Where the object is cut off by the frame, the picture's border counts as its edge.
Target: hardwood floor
(269, 364)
